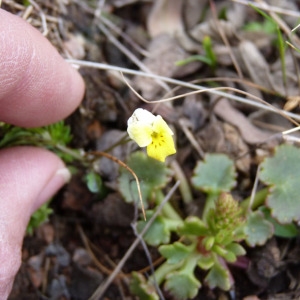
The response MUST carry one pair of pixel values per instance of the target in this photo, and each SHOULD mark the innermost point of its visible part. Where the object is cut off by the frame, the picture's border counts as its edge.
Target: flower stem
(168, 210)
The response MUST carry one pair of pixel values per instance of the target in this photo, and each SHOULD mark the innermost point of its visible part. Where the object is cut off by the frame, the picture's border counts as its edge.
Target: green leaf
(182, 285)
(151, 173)
(193, 226)
(284, 230)
(215, 175)
(267, 26)
(142, 288)
(207, 46)
(158, 233)
(208, 242)
(218, 249)
(205, 262)
(236, 248)
(257, 229)
(219, 276)
(230, 257)
(209, 58)
(40, 216)
(94, 182)
(282, 173)
(52, 137)
(281, 230)
(193, 58)
(10, 135)
(59, 133)
(175, 252)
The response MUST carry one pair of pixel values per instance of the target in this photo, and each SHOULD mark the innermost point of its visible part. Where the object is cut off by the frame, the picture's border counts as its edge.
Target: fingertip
(28, 177)
(37, 86)
(59, 178)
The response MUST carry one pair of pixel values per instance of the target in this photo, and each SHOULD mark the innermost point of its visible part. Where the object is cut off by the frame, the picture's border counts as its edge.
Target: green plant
(204, 244)
(39, 217)
(209, 58)
(213, 241)
(153, 176)
(267, 26)
(281, 174)
(54, 137)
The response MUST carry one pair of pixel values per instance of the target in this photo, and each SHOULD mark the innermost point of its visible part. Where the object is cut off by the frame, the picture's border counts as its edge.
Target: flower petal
(160, 153)
(160, 126)
(142, 115)
(162, 144)
(140, 133)
(140, 127)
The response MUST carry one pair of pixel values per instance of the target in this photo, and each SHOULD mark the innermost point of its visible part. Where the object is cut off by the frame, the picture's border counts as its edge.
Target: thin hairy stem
(118, 161)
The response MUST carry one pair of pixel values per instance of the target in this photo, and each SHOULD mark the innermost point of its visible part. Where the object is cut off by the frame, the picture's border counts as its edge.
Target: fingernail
(64, 173)
(61, 177)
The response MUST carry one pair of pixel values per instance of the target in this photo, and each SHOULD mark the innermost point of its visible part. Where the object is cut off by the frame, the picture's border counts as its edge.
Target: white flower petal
(140, 133)
(140, 127)
(142, 115)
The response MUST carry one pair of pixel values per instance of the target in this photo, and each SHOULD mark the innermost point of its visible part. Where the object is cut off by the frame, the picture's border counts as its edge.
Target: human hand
(37, 87)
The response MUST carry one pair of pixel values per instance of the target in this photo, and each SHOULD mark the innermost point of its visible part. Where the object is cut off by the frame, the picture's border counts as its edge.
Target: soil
(87, 235)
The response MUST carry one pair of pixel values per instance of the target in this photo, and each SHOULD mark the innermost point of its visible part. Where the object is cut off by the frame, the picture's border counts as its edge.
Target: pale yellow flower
(152, 132)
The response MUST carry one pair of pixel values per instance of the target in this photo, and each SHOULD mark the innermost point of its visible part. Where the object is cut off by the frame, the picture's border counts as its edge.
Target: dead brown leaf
(192, 11)
(250, 133)
(165, 17)
(221, 137)
(292, 102)
(239, 150)
(255, 64)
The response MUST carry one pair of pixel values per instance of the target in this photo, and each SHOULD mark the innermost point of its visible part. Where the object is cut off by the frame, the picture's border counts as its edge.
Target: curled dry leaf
(221, 137)
(192, 11)
(239, 149)
(210, 29)
(223, 33)
(250, 133)
(255, 64)
(292, 102)
(165, 17)
(236, 15)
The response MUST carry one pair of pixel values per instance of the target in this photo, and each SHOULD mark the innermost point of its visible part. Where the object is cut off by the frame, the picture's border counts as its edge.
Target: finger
(37, 87)
(28, 176)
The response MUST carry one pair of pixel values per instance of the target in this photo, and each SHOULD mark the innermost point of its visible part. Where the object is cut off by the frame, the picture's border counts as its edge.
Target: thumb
(28, 177)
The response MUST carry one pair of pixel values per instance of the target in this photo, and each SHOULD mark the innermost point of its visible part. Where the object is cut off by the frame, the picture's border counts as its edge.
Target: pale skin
(37, 87)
